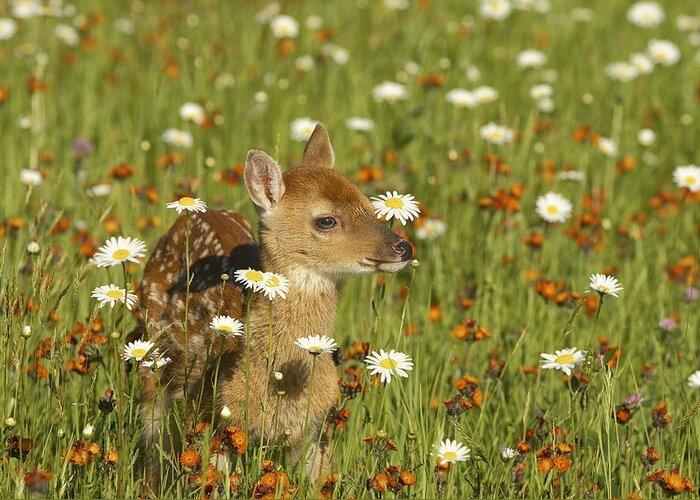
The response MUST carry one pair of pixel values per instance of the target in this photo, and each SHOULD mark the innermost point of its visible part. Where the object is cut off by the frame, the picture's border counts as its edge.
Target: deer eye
(325, 223)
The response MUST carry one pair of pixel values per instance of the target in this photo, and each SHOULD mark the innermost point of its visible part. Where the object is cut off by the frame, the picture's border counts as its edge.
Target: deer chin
(383, 266)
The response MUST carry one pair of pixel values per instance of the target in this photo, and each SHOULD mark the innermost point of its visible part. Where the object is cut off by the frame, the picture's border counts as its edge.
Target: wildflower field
(540, 156)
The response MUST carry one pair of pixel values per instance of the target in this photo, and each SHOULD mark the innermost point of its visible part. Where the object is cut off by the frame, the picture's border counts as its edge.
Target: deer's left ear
(318, 151)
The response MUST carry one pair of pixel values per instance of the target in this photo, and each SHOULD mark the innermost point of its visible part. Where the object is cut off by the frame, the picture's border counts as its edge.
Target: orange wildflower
(190, 458)
(545, 465)
(561, 463)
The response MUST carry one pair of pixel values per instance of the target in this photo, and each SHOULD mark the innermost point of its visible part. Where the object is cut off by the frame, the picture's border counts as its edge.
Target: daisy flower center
(225, 328)
(255, 276)
(388, 364)
(139, 352)
(450, 455)
(315, 348)
(115, 294)
(552, 210)
(690, 179)
(121, 254)
(187, 201)
(273, 281)
(564, 359)
(394, 203)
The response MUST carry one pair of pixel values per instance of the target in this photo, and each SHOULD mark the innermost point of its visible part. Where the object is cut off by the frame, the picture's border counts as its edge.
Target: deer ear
(263, 178)
(318, 151)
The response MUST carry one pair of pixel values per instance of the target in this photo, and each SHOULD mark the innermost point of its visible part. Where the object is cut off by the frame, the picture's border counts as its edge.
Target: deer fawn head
(316, 221)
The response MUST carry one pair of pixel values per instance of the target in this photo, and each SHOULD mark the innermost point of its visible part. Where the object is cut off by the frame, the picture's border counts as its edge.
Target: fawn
(316, 227)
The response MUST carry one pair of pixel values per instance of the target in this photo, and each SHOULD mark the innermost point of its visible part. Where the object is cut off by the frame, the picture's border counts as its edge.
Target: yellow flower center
(690, 180)
(139, 352)
(255, 276)
(496, 135)
(225, 328)
(186, 201)
(564, 359)
(388, 363)
(273, 281)
(552, 210)
(450, 455)
(115, 294)
(315, 348)
(121, 254)
(394, 203)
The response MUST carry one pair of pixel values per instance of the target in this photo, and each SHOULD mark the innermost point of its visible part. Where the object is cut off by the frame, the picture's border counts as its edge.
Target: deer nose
(403, 249)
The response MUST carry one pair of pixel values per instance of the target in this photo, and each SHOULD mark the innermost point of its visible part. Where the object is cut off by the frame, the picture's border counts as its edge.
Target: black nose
(403, 248)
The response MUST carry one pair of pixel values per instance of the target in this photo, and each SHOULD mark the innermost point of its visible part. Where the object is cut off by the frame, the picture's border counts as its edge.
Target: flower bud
(88, 431)
(225, 413)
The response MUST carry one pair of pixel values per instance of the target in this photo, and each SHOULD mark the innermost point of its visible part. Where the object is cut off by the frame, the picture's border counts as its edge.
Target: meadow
(111, 110)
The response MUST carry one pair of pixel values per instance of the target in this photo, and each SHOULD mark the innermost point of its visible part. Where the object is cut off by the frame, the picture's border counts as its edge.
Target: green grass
(115, 91)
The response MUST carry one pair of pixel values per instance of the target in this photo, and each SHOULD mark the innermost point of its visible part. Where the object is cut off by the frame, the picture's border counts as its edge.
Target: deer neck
(308, 309)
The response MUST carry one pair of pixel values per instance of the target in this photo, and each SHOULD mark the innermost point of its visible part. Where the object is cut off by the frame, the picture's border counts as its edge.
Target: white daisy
(485, 94)
(24, 9)
(541, 91)
(338, 54)
(607, 147)
(646, 137)
(553, 207)
(178, 138)
(663, 52)
(388, 364)
(304, 63)
(358, 124)
(571, 175)
(564, 360)
(67, 34)
(392, 204)
(396, 4)
(226, 326)
(193, 112)
(250, 278)
(495, 9)
(431, 229)
(119, 250)
(284, 27)
(531, 58)
(8, 28)
(622, 71)
(452, 451)
(316, 344)
(694, 380)
(496, 134)
(98, 190)
(275, 285)
(111, 294)
(642, 63)
(605, 285)
(189, 204)
(461, 98)
(389, 92)
(302, 128)
(139, 349)
(158, 363)
(508, 453)
(645, 14)
(30, 177)
(687, 176)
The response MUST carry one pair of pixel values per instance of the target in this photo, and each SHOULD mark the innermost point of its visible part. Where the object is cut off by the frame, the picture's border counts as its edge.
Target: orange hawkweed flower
(407, 478)
(561, 463)
(190, 458)
(545, 465)
(122, 171)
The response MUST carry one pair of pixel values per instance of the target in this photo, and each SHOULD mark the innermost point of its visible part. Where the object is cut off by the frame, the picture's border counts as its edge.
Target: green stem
(267, 382)
(306, 417)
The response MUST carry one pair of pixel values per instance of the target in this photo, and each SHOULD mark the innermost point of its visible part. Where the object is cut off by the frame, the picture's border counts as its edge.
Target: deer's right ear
(263, 178)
